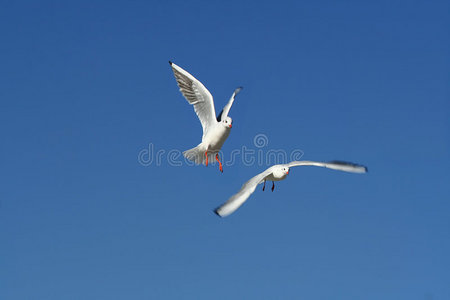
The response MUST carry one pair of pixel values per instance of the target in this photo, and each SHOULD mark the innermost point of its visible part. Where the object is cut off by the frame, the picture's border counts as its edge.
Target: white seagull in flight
(215, 130)
(277, 173)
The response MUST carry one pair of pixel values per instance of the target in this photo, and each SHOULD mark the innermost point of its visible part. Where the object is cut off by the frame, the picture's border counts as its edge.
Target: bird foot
(220, 164)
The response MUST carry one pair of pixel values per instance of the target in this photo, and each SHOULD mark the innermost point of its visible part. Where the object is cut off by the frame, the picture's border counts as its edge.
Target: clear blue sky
(85, 86)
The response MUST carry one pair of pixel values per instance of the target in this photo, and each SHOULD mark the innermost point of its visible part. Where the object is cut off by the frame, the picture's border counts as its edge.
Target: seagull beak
(230, 126)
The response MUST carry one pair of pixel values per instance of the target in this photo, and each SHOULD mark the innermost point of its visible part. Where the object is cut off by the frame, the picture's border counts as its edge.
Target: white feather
(277, 173)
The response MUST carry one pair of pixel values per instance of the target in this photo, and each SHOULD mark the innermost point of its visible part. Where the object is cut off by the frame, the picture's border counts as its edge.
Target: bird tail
(197, 155)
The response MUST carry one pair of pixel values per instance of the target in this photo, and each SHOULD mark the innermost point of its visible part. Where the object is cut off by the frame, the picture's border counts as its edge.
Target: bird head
(227, 122)
(283, 171)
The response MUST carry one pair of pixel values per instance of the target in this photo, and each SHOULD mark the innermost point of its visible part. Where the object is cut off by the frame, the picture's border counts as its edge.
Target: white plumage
(277, 173)
(215, 130)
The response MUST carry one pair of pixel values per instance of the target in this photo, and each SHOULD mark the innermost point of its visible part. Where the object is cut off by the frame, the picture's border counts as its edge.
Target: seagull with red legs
(278, 173)
(215, 129)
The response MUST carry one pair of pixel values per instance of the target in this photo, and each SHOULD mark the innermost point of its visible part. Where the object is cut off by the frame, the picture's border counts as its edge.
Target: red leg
(264, 186)
(220, 164)
(273, 185)
(206, 154)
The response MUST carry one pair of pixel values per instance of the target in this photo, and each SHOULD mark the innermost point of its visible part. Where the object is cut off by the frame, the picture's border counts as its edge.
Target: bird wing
(224, 113)
(240, 197)
(249, 187)
(196, 94)
(335, 165)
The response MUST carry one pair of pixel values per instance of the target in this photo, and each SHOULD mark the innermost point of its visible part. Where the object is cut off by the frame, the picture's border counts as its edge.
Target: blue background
(85, 86)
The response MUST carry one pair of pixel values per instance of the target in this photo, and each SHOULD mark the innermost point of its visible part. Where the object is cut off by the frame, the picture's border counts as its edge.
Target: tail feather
(194, 155)
(197, 155)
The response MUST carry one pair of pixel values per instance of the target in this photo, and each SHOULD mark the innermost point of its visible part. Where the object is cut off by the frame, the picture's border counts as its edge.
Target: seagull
(278, 173)
(215, 129)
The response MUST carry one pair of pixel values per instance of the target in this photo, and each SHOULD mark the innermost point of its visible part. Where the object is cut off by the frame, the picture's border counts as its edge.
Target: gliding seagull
(215, 130)
(278, 173)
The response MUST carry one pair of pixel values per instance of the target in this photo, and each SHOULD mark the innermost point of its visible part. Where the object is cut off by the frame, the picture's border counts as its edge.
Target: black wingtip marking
(346, 163)
(219, 116)
(170, 62)
(216, 212)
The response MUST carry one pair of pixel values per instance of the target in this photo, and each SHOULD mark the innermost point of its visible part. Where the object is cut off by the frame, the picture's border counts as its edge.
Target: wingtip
(216, 211)
(170, 62)
(356, 167)
(364, 168)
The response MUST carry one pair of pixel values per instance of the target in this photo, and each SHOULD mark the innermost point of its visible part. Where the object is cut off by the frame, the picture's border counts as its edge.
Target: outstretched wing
(224, 113)
(335, 165)
(249, 187)
(196, 94)
(240, 197)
